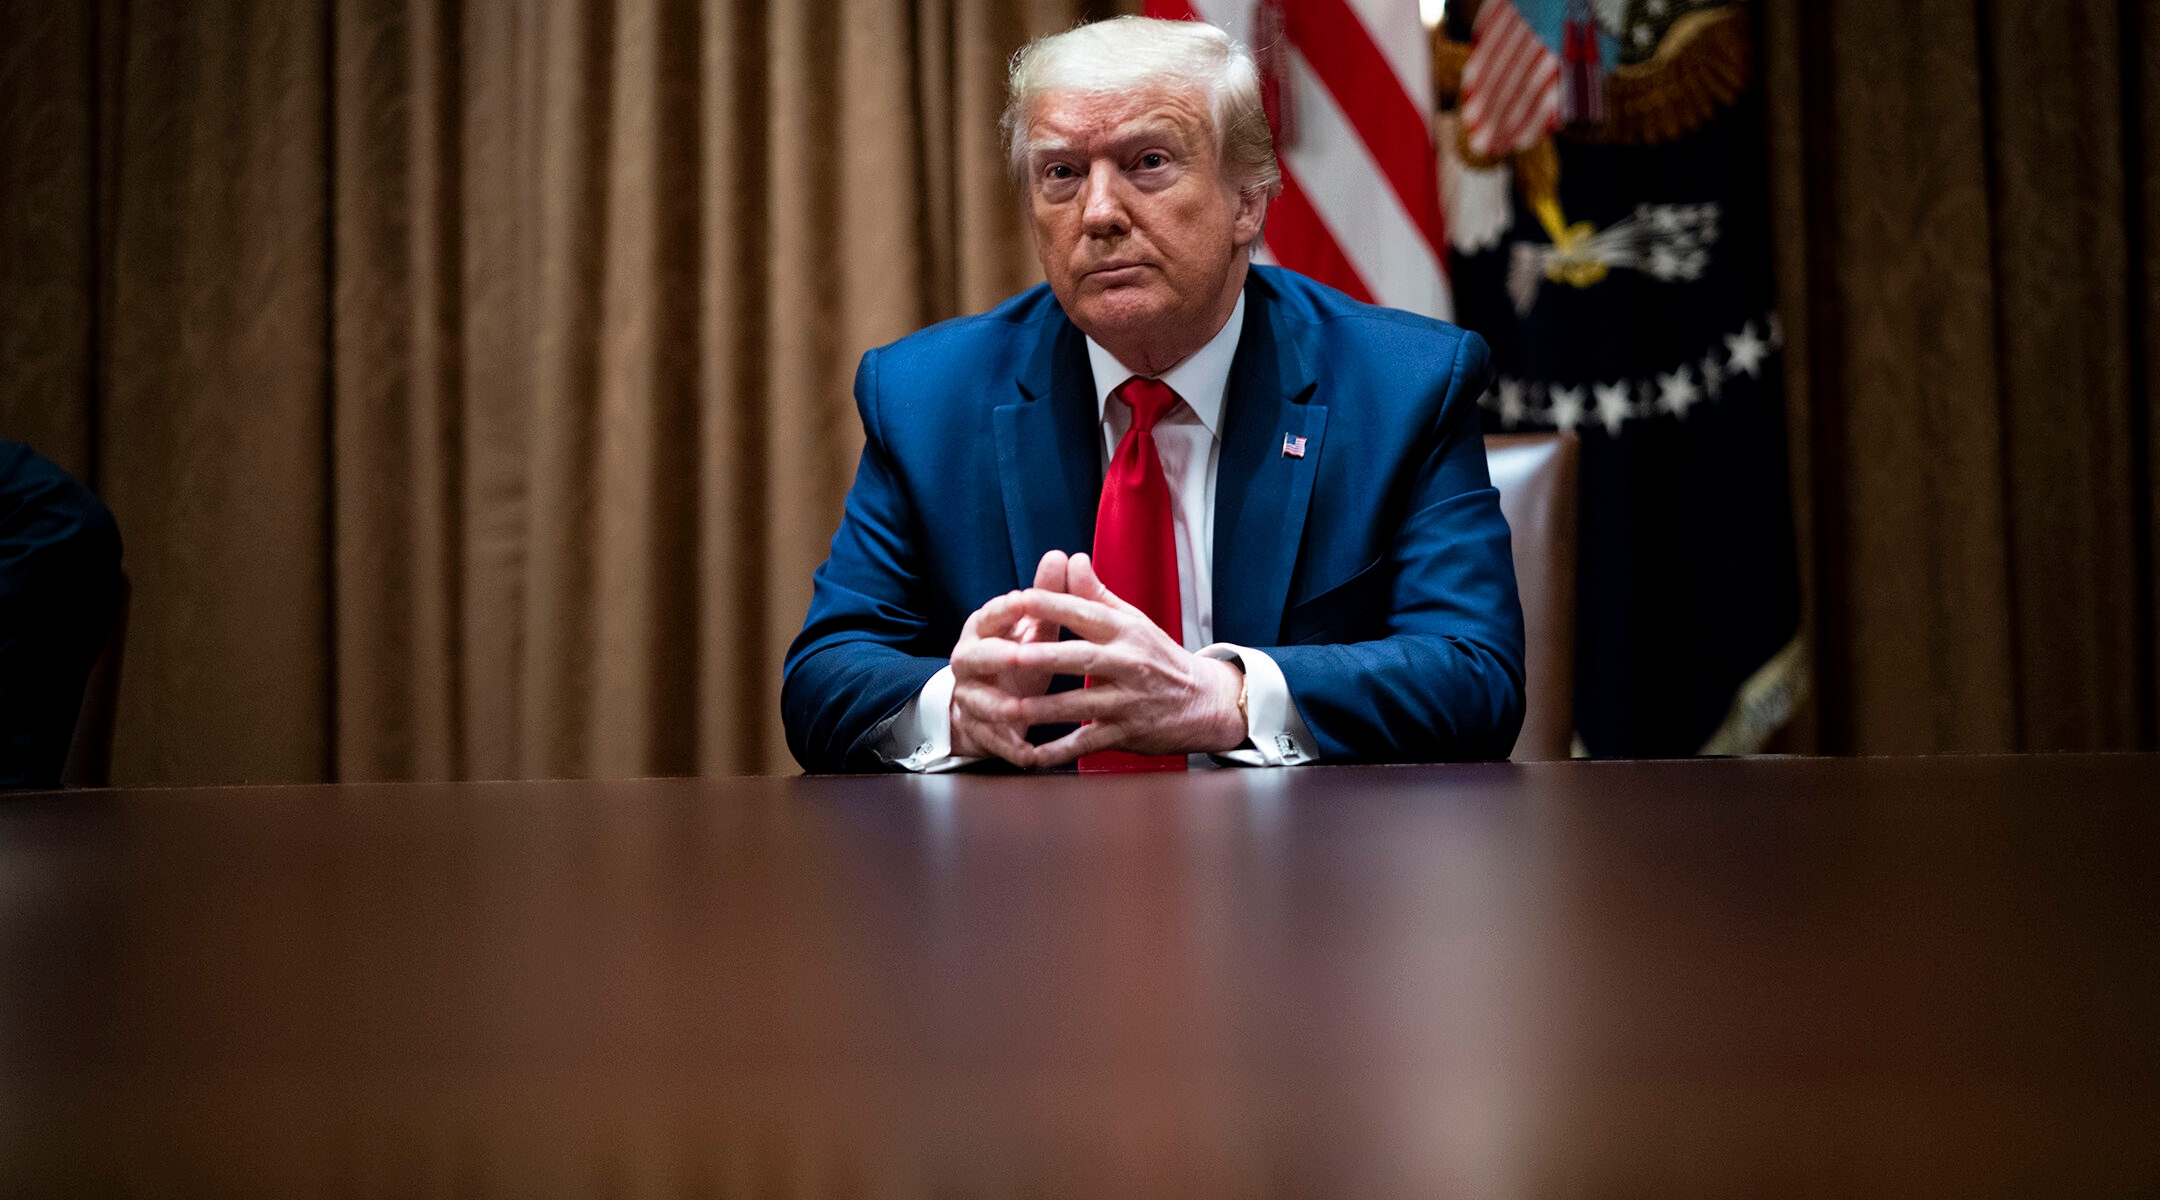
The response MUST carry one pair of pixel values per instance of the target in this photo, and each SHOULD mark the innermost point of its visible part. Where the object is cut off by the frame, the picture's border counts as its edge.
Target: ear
(1252, 206)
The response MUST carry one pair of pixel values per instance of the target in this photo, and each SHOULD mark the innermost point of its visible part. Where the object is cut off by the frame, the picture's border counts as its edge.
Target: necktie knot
(1149, 399)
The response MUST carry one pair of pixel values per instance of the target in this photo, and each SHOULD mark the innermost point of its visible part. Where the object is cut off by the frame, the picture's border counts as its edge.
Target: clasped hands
(1146, 693)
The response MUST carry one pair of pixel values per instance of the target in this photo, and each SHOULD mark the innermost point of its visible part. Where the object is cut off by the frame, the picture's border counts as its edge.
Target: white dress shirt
(1188, 438)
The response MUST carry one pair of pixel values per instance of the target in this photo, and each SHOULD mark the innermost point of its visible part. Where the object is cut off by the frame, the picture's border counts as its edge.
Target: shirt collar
(1200, 381)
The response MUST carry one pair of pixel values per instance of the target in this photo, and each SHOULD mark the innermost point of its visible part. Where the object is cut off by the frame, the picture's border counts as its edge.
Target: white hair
(1124, 54)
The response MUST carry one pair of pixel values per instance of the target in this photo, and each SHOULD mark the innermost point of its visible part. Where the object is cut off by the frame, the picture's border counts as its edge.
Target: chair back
(89, 760)
(1536, 475)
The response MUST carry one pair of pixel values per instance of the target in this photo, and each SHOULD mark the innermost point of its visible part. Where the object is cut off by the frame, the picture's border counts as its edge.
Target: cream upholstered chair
(1536, 476)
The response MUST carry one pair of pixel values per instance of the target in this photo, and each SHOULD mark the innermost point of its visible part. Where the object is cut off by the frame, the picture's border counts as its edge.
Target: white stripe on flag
(1529, 106)
(1398, 31)
(1499, 80)
(1233, 17)
(1358, 206)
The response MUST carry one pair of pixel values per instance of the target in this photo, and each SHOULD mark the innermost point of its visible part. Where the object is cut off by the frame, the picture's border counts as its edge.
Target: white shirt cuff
(919, 736)
(1275, 734)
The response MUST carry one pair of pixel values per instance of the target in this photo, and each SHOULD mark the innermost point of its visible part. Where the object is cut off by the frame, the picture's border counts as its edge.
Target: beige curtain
(472, 380)
(1970, 251)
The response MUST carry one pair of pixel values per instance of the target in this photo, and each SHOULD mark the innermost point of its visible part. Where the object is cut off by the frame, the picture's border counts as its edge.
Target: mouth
(1113, 273)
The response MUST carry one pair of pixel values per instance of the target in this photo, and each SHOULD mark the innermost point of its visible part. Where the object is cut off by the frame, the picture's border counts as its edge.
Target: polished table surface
(1715, 978)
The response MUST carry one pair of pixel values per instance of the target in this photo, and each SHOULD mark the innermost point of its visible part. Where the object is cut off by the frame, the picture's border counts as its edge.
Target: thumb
(1082, 581)
(1050, 572)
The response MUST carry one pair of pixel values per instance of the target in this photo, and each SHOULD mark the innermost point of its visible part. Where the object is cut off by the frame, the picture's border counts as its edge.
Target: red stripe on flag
(1510, 54)
(1301, 242)
(1363, 83)
(1335, 42)
(1501, 78)
(1526, 103)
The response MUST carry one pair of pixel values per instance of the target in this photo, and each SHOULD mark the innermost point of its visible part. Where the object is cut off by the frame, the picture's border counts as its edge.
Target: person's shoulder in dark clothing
(59, 583)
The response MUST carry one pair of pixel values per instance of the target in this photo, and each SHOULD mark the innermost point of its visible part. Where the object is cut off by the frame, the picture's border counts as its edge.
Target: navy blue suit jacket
(59, 591)
(1375, 569)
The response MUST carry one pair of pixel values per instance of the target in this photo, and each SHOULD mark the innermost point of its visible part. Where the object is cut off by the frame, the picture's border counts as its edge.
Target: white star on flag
(1713, 375)
(1747, 350)
(1612, 406)
(1677, 391)
(1668, 218)
(1567, 408)
(1666, 263)
(1511, 402)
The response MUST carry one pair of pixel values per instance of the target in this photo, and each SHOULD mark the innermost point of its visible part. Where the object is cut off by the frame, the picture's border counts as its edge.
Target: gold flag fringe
(1448, 57)
(1764, 703)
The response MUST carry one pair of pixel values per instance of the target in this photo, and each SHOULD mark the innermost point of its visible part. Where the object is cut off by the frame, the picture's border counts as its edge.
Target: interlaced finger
(982, 657)
(1093, 620)
(1087, 739)
(1076, 704)
(1071, 658)
(997, 618)
(993, 721)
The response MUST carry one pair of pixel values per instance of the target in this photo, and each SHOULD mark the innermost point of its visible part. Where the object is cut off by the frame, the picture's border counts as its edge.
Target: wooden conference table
(1875, 977)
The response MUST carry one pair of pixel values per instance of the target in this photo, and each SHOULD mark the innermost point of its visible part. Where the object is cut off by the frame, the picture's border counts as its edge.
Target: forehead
(1074, 118)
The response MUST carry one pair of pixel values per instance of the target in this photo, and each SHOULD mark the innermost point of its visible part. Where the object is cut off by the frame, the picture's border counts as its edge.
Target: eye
(1057, 171)
(1153, 160)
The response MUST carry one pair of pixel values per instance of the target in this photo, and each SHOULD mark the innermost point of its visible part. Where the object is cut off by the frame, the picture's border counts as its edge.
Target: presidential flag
(1350, 92)
(1619, 265)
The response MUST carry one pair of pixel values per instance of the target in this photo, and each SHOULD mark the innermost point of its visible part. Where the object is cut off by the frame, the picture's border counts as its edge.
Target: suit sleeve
(850, 671)
(1444, 681)
(59, 589)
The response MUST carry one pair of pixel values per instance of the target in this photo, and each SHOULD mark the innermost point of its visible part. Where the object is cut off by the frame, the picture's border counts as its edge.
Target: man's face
(1140, 236)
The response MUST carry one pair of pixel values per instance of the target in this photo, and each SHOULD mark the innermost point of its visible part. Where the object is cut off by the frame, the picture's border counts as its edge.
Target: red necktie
(1135, 546)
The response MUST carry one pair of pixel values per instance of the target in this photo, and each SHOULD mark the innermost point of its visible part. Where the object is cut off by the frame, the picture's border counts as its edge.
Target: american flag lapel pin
(1293, 447)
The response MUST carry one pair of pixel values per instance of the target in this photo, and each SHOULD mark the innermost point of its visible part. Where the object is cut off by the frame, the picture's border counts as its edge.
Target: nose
(1102, 211)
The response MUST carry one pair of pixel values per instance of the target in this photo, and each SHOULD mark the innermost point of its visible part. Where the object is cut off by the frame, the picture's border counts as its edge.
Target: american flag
(1360, 205)
(1293, 447)
(1510, 84)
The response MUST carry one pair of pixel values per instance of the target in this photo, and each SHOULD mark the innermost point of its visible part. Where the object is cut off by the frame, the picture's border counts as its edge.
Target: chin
(1115, 316)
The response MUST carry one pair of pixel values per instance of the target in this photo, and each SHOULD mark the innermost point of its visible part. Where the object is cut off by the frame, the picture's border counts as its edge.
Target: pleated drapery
(1969, 256)
(472, 380)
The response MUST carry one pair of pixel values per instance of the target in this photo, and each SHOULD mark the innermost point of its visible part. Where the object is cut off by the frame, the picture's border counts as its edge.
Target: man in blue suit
(1309, 559)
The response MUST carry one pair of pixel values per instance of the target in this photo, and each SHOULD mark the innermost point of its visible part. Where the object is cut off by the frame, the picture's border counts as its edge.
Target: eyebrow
(1138, 131)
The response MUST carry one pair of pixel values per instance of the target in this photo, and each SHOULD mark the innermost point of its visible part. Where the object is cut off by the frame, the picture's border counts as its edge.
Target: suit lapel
(1261, 492)
(1049, 466)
